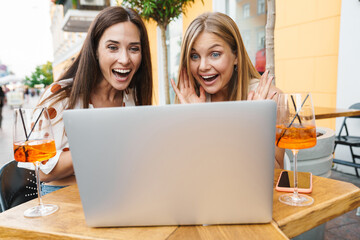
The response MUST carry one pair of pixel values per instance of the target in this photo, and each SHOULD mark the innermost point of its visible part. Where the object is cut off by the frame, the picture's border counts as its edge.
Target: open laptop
(174, 165)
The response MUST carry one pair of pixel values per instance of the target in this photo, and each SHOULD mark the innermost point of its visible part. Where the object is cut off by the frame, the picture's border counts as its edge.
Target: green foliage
(58, 2)
(43, 75)
(162, 11)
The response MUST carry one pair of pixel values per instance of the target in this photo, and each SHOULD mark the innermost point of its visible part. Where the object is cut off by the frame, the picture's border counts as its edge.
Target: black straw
(292, 99)
(35, 124)
(23, 122)
(296, 115)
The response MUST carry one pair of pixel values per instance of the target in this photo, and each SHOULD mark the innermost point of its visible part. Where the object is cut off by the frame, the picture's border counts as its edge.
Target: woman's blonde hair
(224, 27)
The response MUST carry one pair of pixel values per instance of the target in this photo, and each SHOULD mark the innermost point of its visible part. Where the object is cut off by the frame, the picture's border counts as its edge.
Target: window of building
(246, 10)
(261, 7)
(251, 24)
(260, 39)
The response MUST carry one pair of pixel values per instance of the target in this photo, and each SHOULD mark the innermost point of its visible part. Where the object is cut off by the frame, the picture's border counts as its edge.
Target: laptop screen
(177, 164)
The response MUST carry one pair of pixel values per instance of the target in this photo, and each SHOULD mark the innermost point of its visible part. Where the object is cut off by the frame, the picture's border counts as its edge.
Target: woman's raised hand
(263, 89)
(187, 93)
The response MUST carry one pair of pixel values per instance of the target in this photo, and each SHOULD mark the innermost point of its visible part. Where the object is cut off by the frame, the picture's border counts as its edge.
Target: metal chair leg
(353, 158)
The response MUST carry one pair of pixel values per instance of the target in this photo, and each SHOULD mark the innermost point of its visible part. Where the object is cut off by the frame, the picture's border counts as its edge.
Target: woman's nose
(123, 57)
(204, 65)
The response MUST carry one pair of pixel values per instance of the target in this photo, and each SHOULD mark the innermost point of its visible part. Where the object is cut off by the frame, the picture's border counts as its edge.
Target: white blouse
(56, 114)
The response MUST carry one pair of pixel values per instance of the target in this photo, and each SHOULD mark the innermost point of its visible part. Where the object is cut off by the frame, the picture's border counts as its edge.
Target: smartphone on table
(285, 182)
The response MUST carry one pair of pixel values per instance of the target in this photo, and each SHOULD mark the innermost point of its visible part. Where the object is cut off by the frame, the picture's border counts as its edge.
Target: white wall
(348, 84)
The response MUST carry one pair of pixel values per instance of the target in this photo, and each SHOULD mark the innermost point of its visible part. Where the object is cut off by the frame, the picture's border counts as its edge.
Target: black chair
(350, 141)
(17, 185)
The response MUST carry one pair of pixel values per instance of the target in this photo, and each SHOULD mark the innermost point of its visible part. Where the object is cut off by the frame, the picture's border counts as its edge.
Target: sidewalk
(6, 129)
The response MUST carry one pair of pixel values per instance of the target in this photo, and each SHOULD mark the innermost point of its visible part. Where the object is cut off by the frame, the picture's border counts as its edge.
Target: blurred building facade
(307, 42)
(316, 44)
(70, 21)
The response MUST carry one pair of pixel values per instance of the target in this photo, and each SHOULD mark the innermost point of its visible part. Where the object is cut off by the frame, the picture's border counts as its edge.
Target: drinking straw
(292, 99)
(296, 115)
(27, 138)
(23, 122)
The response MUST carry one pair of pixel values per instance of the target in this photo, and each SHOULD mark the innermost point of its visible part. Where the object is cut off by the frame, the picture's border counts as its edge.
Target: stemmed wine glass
(295, 129)
(34, 143)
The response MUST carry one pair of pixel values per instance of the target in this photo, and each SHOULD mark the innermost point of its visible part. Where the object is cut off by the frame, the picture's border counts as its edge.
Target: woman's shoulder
(50, 92)
(56, 86)
(253, 83)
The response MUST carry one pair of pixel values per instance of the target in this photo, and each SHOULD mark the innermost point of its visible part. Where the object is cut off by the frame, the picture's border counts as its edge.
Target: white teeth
(122, 70)
(206, 77)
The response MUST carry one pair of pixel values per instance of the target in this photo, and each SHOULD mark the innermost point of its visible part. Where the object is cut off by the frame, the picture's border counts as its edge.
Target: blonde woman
(214, 66)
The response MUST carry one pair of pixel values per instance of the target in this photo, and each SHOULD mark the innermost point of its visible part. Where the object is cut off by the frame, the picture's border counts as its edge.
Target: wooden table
(332, 198)
(324, 112)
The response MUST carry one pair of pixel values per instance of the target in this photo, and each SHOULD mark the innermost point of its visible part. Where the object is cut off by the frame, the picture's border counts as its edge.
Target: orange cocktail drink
(34, 150)
(295, 137)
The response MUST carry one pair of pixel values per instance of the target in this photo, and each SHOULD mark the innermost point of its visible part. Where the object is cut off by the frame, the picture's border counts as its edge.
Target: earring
(235, 67)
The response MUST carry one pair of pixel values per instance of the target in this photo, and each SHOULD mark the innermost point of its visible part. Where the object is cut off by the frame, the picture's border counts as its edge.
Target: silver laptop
(174, 165)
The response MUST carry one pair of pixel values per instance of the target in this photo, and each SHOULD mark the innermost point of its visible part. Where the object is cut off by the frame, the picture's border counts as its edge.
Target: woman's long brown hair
(85, 69)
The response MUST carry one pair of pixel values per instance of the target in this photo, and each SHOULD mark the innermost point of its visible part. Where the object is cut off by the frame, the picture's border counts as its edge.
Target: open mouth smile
(121, 74)
(209, 78)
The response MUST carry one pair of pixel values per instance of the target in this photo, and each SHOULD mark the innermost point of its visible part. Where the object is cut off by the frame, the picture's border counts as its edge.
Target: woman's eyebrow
(135, 43)
(117, 42)
(112, 41)
(215, 45)
(212, 46)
